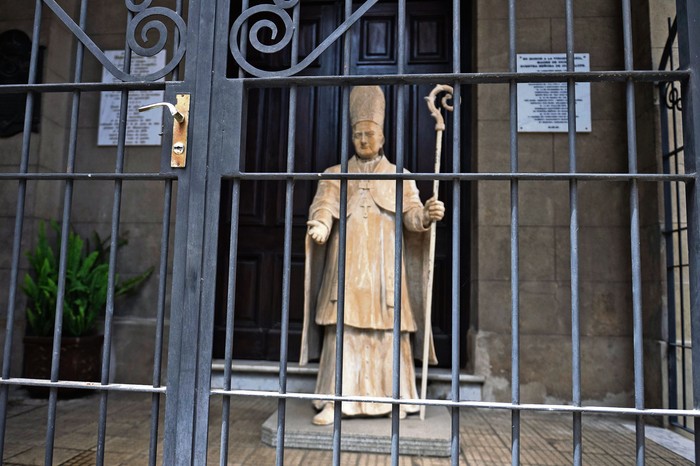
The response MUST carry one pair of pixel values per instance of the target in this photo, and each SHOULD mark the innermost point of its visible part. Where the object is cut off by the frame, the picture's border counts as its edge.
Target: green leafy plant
(87, 272)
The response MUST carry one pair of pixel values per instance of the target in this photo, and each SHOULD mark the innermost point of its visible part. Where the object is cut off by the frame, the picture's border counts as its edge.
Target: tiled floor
(484, 437)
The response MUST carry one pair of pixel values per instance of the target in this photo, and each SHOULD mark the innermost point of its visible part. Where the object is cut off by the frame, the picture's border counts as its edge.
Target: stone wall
(604, 218)
(46, 153)
(141, 211)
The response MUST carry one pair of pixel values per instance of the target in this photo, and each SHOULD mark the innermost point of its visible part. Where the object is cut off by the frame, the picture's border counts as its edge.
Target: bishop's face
(368, 138)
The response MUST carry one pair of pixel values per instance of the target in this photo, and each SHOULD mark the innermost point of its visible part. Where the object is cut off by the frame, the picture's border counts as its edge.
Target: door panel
(317, 146)
(374, 52)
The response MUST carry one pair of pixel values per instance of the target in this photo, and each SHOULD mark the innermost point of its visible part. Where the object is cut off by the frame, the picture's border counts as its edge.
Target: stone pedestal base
(430, 437)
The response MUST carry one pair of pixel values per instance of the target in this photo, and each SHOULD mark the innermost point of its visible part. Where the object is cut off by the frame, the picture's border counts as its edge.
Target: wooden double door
(317, 146)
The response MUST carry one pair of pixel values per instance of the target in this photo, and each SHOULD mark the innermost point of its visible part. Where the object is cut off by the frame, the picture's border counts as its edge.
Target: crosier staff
(439, 129)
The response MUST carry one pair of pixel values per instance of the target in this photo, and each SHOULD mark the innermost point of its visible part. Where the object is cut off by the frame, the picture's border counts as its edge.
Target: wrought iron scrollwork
(280, 8)
(142, 12)
(673, 97)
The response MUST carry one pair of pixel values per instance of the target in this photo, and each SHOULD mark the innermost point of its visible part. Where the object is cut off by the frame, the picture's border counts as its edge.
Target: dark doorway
(260, 250)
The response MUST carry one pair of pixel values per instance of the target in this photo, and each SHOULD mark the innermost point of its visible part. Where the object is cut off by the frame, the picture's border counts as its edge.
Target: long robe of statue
(369, 272)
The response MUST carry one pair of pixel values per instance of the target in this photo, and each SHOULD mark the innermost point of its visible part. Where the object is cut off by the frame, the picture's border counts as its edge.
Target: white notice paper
(142, 129)
(542, 106)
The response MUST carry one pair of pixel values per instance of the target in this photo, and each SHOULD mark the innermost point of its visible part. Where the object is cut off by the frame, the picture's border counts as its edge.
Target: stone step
(264, 375)
(429, 437)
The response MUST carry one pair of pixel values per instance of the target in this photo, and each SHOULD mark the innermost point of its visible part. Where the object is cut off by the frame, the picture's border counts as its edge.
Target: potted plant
(85, 296)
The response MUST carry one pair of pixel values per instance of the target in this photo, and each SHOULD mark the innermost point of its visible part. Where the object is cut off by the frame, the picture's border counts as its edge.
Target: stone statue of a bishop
(369, 273)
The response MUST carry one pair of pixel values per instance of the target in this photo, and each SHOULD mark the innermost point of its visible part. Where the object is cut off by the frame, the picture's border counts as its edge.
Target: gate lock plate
(181, 118)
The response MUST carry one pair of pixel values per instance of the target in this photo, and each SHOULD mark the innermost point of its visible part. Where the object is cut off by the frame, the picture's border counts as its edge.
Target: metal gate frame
(689, 54)
(217, 117)
(676, 240)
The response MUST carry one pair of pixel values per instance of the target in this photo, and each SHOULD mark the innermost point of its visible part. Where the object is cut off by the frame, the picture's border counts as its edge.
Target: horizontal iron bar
(87, 87)
(113, 387)
(87, 176)
(462, 78)
(465, 404)
(688, 177)
(465, 176)
(472, 78)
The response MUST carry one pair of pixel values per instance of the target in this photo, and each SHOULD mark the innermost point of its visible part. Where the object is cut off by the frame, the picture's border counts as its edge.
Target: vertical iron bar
(669, 236)
(688, 14)
(340, 320)
(63, 255)
(231, 285)
(230, 314)
(160, 319)
(679, 244)
(340, 325)
(19, 224)
(211, 131)
(342, 240)
(456, 224)
(176, 39)
(573, 233)
(514, 249)
(679, 237)
(191, 322)
(58, 328)
(113, 244)
(287, 259)
(162, 290)
(244, 37)
(634, 235)
(398, 236)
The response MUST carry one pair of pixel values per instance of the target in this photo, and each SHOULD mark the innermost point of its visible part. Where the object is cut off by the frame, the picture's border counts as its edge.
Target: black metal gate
(210, 44)
(680, 380)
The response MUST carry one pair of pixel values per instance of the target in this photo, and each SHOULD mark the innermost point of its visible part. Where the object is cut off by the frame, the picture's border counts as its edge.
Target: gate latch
(181, 113)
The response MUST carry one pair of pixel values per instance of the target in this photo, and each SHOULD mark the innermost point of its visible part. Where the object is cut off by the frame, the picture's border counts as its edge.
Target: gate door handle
(180, 112)
(173, 110)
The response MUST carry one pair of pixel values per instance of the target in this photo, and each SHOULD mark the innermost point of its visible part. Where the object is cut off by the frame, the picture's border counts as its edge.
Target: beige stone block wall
(46, 154)
(141, 210)
(142, 202)
(604, 218)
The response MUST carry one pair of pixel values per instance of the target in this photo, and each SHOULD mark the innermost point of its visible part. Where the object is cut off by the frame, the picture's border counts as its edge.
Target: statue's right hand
(318, 231)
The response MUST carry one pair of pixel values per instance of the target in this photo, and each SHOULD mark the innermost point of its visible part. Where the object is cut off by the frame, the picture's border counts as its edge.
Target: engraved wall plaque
(542, 107)
(142, 129)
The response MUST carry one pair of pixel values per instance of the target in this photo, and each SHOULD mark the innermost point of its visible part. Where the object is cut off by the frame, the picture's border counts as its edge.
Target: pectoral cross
(365, 204)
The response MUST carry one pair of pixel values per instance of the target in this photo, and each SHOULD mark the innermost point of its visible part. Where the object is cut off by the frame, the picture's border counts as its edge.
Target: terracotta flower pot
(80, 360)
